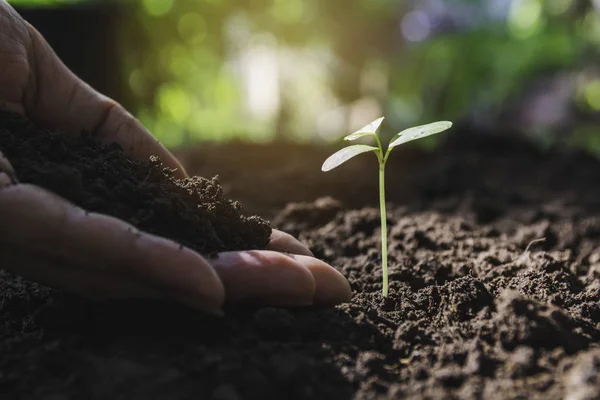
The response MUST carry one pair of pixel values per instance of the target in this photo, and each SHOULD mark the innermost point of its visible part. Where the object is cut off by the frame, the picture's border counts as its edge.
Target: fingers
(284, 242)
(102, 257)
(58, 99)
(331, 287)
(55, 273)
(265, 277)
(88, 242)
(273, 278)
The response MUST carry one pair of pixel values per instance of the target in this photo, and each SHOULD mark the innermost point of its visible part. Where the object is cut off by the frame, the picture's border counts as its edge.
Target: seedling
(347, 153)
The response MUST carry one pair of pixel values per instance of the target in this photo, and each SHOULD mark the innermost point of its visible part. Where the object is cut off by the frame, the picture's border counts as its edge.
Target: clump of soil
(192, 211)
(471, 314)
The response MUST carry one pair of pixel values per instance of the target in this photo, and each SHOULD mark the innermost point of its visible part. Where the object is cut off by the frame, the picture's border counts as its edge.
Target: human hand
(58, 244)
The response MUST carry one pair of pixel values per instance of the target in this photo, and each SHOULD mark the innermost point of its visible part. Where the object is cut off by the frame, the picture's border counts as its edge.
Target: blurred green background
(314, 70)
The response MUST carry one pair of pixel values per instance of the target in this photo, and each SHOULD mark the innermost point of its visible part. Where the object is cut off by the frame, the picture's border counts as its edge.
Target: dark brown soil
(471, 313)
(191, 211)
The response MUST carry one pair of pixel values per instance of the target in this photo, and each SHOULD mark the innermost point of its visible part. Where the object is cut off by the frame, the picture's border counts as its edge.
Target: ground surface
(471, 313)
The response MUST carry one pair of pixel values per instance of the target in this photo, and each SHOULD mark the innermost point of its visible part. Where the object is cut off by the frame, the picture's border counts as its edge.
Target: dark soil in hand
(104, 180)
(472, 312)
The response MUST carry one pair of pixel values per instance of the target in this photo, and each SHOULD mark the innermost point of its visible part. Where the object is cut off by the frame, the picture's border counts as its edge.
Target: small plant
(347, 153)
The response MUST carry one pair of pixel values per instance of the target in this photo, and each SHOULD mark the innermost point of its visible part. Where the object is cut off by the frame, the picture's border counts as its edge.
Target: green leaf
(345, 154)
(370, 129)
(418, 132)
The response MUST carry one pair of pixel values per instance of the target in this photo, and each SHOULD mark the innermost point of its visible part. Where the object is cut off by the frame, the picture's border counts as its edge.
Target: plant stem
(384, 264)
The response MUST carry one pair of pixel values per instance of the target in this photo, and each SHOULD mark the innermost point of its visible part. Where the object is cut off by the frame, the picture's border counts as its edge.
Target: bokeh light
(311, 70)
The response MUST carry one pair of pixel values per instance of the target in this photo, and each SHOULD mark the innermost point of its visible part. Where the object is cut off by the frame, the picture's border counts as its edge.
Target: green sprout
(343, 155)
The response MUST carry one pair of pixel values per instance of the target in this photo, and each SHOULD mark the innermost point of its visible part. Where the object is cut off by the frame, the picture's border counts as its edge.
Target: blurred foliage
(315, 70)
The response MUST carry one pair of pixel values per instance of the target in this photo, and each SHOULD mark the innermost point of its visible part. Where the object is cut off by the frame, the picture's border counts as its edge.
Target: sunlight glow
(261, 81)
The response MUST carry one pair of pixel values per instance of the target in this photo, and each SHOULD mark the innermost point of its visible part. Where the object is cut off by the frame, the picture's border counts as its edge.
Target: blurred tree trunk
(86, 38)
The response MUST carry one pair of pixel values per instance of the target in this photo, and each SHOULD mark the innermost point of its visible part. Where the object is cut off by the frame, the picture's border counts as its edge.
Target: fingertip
(332, 287)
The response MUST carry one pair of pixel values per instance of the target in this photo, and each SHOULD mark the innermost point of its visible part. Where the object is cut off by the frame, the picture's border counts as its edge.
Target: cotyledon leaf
(370, 129)
(345, 154)
(419, 132)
